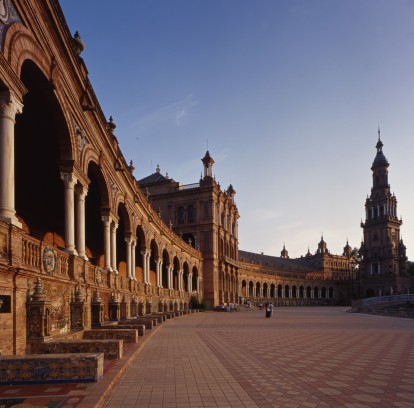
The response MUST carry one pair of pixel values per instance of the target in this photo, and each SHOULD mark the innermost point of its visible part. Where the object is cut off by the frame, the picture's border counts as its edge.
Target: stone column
(190, 282)
(180, 279)
(69, 181)
(81, 193)
(133, 264)
(148, 267)
(158, 263)
(145, 265)
(170, 276)
(9, 108)
(128, 241)
(114, 227)
(107, 242)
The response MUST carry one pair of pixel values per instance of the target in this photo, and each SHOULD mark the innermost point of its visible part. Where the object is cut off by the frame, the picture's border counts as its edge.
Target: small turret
(284, 253)
(208, 165)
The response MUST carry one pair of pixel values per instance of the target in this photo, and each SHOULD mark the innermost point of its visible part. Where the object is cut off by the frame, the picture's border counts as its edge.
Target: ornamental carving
(49, 260)
(10, 106)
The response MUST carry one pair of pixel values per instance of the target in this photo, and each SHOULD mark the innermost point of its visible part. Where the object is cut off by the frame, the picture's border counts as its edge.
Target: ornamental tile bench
(130, 326)
(112, 349)
(169, 315)
(147, 322)
(51, 368)
(159, 317)
(128, 335)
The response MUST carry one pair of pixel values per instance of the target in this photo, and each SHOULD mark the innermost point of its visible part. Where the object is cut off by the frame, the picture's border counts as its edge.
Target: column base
(71, 251)
(11, 220)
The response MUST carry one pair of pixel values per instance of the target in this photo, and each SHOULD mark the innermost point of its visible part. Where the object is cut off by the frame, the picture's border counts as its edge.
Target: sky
(287, 96)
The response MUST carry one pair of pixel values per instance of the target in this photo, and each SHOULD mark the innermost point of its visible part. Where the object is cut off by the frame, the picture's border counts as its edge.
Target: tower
(383, 254)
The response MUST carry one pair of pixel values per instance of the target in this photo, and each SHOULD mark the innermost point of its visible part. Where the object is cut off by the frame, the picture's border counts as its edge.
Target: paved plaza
(301, 357)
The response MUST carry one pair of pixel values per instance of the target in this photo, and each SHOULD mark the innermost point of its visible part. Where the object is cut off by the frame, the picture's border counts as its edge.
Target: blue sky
(286, 94)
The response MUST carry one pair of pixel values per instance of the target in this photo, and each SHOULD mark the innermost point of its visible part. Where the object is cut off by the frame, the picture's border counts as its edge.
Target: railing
(189, 186)
(382, 301)
(31, 249)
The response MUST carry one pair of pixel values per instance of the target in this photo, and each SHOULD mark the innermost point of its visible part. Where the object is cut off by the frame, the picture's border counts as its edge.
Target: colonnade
(252, 291)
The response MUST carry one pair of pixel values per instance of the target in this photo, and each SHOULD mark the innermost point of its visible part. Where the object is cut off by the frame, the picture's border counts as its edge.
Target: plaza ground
(300, 357)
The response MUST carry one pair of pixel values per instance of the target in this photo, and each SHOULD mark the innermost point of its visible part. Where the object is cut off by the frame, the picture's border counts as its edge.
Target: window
(191, 214)
(180, 215)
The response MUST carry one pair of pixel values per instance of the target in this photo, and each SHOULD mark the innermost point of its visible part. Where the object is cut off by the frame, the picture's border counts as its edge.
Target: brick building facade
(82, 242)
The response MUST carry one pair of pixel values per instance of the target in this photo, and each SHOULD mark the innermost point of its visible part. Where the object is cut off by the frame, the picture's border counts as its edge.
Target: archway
(42, 142)
(165, 266)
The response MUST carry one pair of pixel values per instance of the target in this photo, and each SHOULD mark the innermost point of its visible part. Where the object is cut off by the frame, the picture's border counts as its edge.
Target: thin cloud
(265, 214)
(176, 113)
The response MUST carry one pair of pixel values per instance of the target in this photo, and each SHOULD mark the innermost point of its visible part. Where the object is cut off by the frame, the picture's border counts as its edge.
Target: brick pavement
(301, 357)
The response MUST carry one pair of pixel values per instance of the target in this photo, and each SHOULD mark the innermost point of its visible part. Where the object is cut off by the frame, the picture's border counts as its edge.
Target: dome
(380, 159)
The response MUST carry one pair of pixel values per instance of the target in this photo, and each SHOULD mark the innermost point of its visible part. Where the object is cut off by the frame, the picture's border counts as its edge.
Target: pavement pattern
(313, 357)
(301, 357)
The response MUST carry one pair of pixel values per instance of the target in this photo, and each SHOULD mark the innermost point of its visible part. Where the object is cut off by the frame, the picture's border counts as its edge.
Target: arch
(186, 273)
(251, 292)
(265, 287)
(331, 293)
(95, 202)
(323, 292)
(122, 233)
(176, 270)
(272, 290)
(153, 262)
(308, 292)
(19, 47)
(294, 294)
(243, 289)
(316, 292)
(140, 247)
(164, 270)
(258, 286)
(287, 292)
(42, 123)
(279, 291)
(301, 292)
(194, 282)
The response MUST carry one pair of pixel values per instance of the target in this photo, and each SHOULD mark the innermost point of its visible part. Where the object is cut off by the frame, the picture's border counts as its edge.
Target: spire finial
(379, 133)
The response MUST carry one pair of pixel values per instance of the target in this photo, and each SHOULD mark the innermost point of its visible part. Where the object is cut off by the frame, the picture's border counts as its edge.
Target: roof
(277, 262)
(155, 178)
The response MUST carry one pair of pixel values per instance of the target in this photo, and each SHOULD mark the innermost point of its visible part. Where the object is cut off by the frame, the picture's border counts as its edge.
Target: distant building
(383, 266)
(205, 217)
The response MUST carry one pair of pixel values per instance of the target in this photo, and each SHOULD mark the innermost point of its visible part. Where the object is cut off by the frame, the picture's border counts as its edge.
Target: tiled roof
(155, 178)
(277, 262)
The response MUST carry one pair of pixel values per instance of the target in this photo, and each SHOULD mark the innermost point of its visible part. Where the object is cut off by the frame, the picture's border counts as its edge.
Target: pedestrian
(270, 307)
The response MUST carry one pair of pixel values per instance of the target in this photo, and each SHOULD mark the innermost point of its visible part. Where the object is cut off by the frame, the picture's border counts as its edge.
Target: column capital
(81, 191)
(68, 179)
(128, 240)
(10, 105)
(106, 218)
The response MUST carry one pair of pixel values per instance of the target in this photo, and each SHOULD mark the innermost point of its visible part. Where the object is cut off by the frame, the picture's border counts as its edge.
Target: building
(80, 245)
(82, 242)
(206, 217)
(383, 263)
